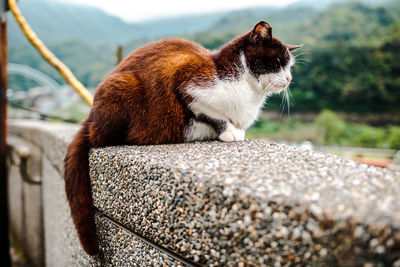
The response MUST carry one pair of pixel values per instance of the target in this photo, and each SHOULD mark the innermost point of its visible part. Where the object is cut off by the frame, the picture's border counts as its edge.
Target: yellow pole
(48, 55)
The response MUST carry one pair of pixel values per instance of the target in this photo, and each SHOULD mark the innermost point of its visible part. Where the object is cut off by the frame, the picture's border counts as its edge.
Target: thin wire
(42, 115)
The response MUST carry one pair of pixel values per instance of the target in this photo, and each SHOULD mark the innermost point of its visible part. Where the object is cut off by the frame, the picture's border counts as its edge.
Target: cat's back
(168, 54)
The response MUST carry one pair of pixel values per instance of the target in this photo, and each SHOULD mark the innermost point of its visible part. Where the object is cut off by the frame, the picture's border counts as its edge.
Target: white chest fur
(237, 101)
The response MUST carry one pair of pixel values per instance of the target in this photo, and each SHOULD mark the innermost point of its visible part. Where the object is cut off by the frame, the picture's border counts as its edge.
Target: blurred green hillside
(350, 61)
(56, 21)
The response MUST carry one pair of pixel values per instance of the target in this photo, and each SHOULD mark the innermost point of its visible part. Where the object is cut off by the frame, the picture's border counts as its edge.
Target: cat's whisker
(303, 60)
(283, 103)
(269, 86)
(300, 54)
(289, 99)
(302, 63)
(287, 96)
(290, 96)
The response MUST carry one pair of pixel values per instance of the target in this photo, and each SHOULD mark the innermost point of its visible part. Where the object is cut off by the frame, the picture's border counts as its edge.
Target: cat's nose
(288, 79)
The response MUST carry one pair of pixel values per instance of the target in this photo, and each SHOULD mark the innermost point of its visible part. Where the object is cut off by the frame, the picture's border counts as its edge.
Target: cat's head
(268, 59)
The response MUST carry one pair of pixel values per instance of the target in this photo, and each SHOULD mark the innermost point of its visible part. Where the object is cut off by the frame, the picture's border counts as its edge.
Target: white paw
(232, 135)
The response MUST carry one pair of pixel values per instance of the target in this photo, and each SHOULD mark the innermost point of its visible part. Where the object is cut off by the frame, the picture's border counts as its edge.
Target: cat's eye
(278, 63)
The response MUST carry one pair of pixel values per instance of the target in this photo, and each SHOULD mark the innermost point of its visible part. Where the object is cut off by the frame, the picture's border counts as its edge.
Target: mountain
(353, 22)
(184, 24)
(55, 21)
(318, 4)
(350, 61)
(282, 20)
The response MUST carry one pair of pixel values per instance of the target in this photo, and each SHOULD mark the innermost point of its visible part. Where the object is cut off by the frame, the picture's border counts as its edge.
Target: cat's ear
(294, 47)
(262, 31)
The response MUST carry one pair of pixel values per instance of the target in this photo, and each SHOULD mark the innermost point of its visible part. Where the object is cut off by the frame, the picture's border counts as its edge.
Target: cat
(174, 91)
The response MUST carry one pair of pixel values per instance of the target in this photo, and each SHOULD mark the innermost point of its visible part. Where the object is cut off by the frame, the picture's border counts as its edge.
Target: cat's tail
(77, 188)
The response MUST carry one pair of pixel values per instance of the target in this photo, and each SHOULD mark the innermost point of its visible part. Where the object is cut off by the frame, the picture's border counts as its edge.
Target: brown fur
(144, 101)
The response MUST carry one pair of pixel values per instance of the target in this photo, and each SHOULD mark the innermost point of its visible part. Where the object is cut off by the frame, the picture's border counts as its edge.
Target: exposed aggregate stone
(252, 203)
(121, 248)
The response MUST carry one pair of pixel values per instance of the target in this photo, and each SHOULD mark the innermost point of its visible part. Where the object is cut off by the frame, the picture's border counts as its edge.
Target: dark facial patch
(267, 56)
(263, 53)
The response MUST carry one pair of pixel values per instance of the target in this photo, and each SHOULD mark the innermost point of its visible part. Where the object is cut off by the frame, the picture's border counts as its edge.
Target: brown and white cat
(175, 91)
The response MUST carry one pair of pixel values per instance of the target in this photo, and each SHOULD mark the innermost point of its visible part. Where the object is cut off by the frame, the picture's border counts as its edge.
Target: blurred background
(345, 97)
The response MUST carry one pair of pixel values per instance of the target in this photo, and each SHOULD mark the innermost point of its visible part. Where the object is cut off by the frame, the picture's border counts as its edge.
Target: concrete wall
(249, 203)
(39, 213)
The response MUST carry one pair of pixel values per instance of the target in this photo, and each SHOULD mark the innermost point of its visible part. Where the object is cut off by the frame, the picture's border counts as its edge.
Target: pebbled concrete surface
(48, 142)
(252, 203)
(122, 248)
(241, 204)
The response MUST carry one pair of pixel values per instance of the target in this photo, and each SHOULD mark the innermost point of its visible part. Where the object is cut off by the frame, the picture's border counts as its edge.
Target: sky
(146, 9)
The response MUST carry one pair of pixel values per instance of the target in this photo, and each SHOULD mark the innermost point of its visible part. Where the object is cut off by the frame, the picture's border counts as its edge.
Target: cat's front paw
(232, 135)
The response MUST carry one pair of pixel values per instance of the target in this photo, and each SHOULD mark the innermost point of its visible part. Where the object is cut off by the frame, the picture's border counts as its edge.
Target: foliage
(333, 127)
(368, 136)
(76, 111)
(355, 24)
(394, 137)
(327, 129)
(265, 127)
(89, 63)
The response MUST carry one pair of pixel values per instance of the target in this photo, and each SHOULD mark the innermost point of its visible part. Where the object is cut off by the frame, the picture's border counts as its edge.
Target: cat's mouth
(275, 87)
